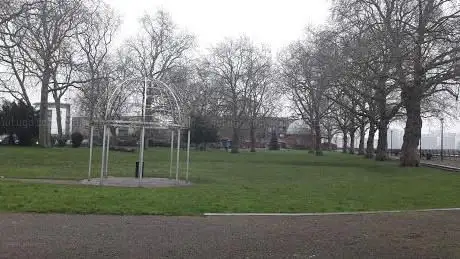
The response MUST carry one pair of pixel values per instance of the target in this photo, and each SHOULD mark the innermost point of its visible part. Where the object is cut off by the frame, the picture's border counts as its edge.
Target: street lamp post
(442, 139)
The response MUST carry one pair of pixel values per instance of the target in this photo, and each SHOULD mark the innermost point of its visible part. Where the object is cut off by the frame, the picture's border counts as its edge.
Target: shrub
(202, 131)
(123, 149)
(19, 120)
(128, 142)
(273, 145)
(153, 143)
(58, 142)
(77, 138)
(61, 142)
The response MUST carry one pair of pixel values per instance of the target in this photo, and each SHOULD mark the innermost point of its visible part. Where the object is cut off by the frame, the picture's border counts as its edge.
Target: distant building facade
(395, 138)
(449, 141)
(264, 127)
(429, 141)
(263, 130)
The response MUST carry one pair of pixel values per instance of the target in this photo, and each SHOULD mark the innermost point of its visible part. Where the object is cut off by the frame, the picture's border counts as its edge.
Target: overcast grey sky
(269, 22)
(275, 23)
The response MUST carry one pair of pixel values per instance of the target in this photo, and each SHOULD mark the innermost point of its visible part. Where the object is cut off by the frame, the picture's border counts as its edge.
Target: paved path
(446, 162)
(400, 235)
(450, 164)
(110, 181)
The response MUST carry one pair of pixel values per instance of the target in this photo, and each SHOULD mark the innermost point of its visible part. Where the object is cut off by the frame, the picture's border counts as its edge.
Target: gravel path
(399, 235)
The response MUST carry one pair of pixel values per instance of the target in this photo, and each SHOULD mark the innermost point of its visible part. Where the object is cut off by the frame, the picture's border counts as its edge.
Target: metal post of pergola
(176, 125)
(188, 150)
(171, 157)
(106, 161)
(178, 154)
(141, 151)
(103, 154)
(90, 151)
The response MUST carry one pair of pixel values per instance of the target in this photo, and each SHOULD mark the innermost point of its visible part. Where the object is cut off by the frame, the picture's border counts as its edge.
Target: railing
(429, 154)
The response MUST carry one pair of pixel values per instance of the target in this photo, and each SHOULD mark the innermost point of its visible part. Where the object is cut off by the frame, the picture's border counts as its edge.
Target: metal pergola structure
(176, 127)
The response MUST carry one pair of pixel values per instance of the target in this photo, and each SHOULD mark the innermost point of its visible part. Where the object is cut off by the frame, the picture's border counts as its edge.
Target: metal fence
(432, 154)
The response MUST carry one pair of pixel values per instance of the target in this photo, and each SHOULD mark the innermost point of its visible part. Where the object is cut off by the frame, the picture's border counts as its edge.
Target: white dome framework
(153, 106)
(298, 127)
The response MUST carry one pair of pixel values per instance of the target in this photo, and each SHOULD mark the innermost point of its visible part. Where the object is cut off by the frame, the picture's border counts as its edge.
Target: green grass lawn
(280, 181)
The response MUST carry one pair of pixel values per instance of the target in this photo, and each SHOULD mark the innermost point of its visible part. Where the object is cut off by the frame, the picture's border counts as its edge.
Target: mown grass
(289, 181)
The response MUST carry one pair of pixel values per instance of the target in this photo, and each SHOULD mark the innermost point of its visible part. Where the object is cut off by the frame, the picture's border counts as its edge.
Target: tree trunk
(329, 141)
(411, 97)
(236, 141)
(352, 142)
(412, 133)
(253, 137)
(362, 135)
(370, 142)
(345, 142)
(113, 137)
(57, 103)
(44, 133)
(318, 150)
(382, 146)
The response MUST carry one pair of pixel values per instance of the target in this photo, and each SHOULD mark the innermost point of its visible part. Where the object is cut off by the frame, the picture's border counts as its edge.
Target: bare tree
(239, 67)
(342, 118)
(47, 27)
(362, 135)
(159, 48)
(263, 94)
(64, 77)
(419, 54)
(94, 39)
(12, 9)
(307, 71)
(434, 33)
(330, 128)
(80, 60)
(204, 96)
(104, 100)
(370, 70)
(15, 79)
(353, 127)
